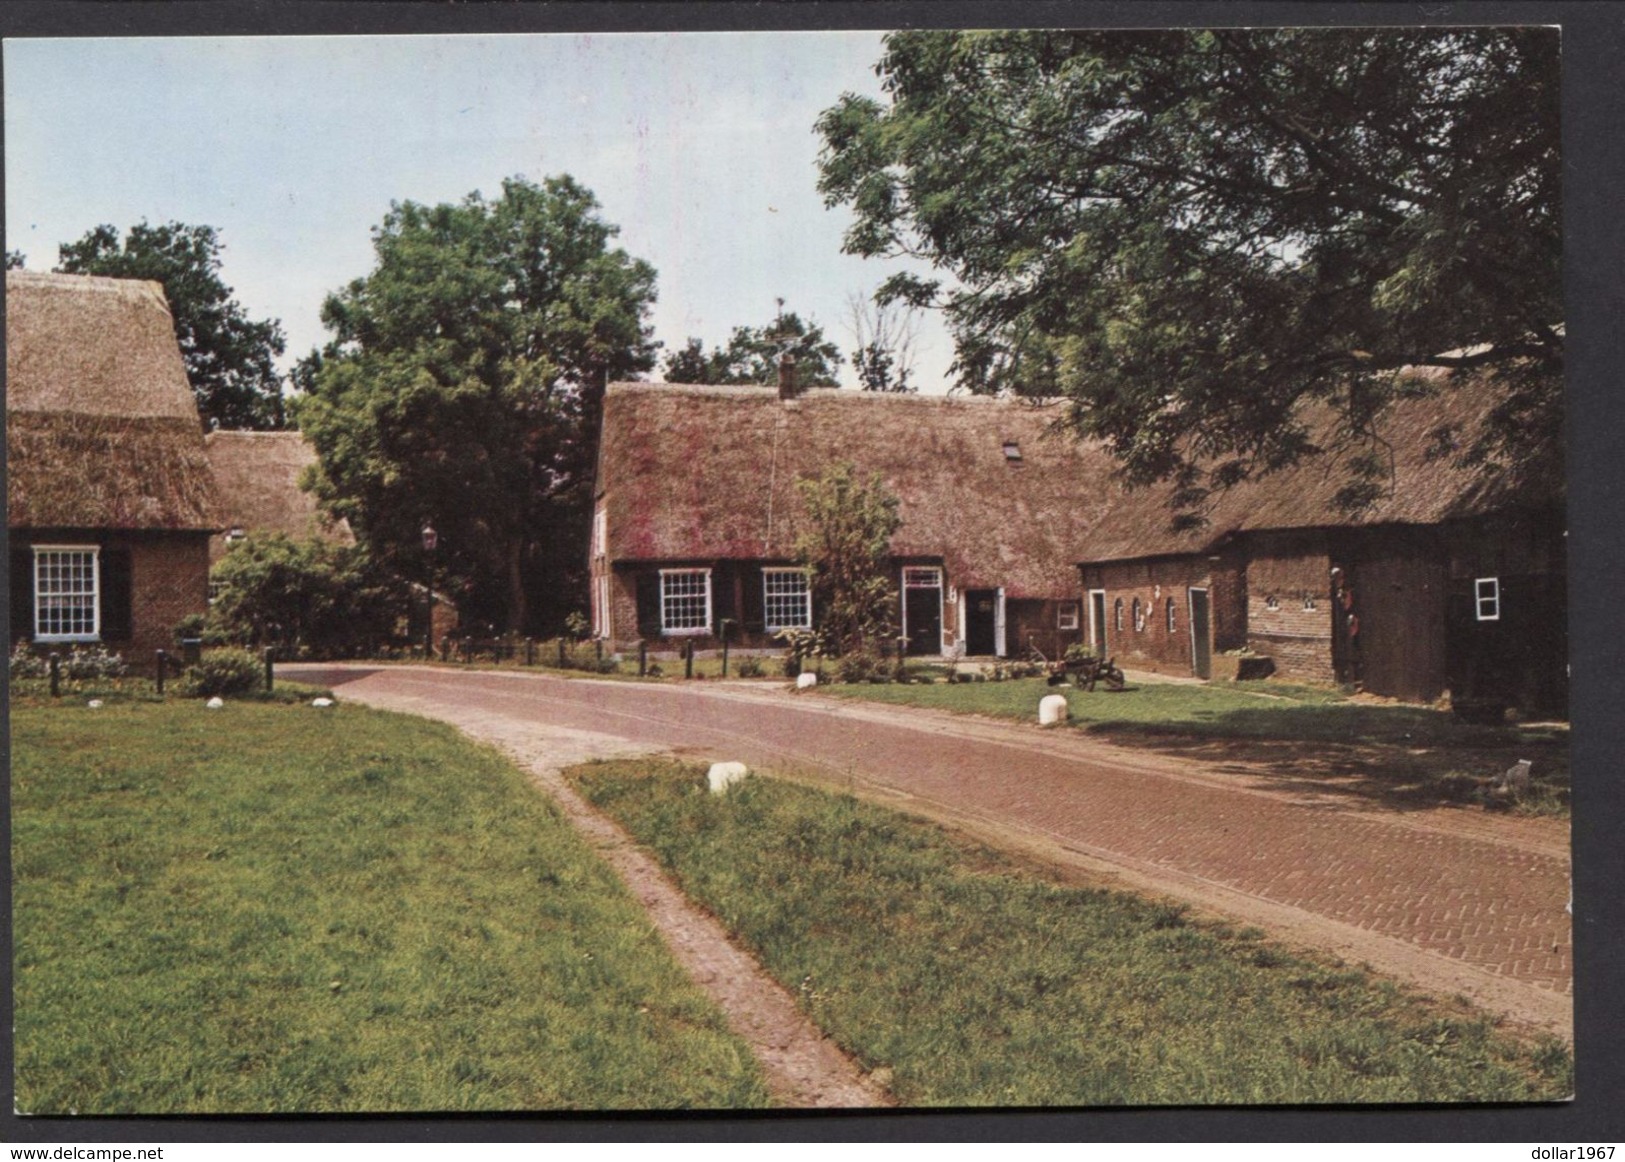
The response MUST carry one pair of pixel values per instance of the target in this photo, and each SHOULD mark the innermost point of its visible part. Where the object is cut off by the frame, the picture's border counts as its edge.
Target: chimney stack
(787, 376)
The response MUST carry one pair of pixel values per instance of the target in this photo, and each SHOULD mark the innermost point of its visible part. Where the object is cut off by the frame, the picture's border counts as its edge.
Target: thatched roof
(709, 473)
(102, 428)
(1424, 488)
(258, 474)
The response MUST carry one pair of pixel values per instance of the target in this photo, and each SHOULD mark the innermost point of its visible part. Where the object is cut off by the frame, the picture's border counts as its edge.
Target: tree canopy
(464, 387)
(752, 356)
(230, 359)
(1207, 238)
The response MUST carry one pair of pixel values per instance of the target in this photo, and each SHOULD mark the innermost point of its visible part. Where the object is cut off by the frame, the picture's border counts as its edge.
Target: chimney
(787, 376)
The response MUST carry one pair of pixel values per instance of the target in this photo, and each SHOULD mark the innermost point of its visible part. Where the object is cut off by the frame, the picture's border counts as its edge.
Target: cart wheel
(1115, 679)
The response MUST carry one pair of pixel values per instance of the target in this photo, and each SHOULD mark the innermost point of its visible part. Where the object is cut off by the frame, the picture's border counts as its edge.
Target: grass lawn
(275, 908)
(1427, 750)
(977, 982)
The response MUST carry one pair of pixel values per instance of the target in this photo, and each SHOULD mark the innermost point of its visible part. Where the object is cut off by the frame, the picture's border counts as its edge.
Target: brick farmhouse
(1017, 535)
(110, 500)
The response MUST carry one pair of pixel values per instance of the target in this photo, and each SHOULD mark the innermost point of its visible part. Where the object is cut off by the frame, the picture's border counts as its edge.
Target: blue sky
(700, 146)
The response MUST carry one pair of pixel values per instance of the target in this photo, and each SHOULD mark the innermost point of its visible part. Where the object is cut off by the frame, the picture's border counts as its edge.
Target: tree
(1205, 238)
(464, 387)
(331, 600)
(752, 356)
(15, 260)
(230, 359)
(845, 548)
(884, 333)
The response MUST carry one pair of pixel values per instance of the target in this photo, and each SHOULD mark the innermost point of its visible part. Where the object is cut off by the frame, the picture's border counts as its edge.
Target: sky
(699, 146)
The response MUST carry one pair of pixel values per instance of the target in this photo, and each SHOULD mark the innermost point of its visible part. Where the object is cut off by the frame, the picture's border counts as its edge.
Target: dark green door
(1201, 638)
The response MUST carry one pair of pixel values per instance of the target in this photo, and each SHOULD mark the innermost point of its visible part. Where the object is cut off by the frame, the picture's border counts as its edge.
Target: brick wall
(1153, 583)
(169, 580)
(1289, 604)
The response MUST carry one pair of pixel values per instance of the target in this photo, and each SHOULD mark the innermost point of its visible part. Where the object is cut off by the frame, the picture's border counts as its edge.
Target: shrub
(750, 667)
(81, 663)
(308, 596)
(799, 645)
(25, 663)
(859, 666)
(93, 662)
(226, 671)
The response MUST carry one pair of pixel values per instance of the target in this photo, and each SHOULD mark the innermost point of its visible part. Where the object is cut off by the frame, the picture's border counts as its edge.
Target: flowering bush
(80, 663)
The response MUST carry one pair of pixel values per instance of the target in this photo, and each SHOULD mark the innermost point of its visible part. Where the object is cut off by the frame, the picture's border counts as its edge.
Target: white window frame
(1097, 634)
(600, 532)
(600, 611)
(95, 594)
(1172, 615)
(1068, 615)
(1487, 598)
(768, 598)
(667, 630)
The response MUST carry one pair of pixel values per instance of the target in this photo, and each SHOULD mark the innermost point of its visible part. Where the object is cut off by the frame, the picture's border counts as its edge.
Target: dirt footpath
(803, 1068)
(1449, 900)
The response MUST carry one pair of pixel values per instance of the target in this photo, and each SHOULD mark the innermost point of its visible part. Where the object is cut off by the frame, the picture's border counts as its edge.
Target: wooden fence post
(270, 668)
(643, 659)
(688, 658)
(55, 663)
(530, 652)
(163, 664)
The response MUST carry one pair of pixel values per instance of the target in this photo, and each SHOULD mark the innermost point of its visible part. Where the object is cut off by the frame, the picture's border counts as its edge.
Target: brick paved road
(1447, 899)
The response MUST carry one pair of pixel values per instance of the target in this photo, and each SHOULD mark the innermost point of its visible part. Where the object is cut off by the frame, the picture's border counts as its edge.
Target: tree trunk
(516, 588)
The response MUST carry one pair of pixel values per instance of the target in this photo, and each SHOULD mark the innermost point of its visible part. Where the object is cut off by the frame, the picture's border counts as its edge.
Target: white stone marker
(721, 776)
(94, 704)
(321, 702)
(805, 680)
(215, 703)
(1052, 708)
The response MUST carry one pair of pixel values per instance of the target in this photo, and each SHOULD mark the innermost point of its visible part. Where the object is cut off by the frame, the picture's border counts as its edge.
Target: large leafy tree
(752, 356)
(230, 359)
(1208, 238)
(464, 387)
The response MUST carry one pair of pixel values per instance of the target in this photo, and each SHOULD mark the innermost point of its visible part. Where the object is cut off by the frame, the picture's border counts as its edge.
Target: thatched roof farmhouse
(698, 491)
(1016, 534)
(110, 499)
(258, 476)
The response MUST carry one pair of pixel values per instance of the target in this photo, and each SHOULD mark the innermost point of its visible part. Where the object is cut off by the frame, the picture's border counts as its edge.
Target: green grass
(976, 982)
(1429, 754)
(274, 908)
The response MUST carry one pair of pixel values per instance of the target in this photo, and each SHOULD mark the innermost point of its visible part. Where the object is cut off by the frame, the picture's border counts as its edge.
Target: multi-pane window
(1487, 597)
(685, 600)
(786, 599)
(916, 577)
(65, 594)
(1117, 615)
(1173, 623)
(1067, 616)
(1139, 616)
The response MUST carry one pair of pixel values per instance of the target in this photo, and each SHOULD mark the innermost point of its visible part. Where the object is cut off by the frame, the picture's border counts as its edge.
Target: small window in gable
(1012, 451)
(1487, 598)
